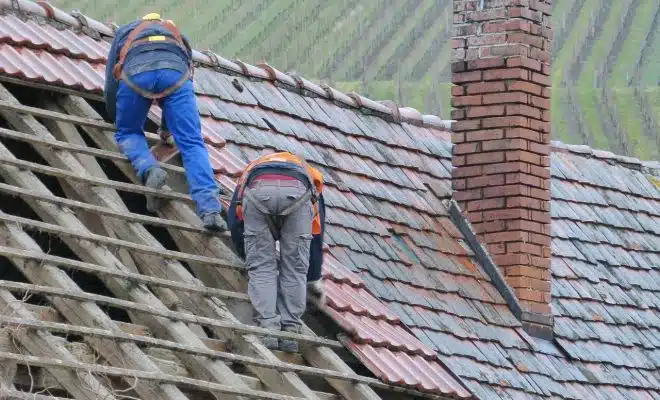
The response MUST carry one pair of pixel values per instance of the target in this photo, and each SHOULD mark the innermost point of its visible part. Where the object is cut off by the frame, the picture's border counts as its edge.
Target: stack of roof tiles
(401, 278)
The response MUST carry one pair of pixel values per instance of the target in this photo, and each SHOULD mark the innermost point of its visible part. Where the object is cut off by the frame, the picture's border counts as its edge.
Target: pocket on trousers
(250, 241)
(304, 242)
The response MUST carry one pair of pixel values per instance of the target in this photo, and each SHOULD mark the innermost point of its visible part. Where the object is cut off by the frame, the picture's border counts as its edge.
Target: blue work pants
(182, 119)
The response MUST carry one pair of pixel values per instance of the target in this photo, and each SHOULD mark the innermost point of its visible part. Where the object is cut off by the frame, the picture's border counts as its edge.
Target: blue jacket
(316, 247)
(146, 57)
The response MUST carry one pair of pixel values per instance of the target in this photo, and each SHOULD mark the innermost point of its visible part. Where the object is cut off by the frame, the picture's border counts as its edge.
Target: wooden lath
(250, 346)
(319, 356)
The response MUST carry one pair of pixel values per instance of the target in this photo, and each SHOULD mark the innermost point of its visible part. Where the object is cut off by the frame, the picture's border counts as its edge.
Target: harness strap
(118, 70)
(274, 221)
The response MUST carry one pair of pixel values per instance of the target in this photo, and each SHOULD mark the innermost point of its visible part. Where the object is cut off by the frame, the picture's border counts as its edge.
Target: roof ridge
(385, 109)
(650, 167)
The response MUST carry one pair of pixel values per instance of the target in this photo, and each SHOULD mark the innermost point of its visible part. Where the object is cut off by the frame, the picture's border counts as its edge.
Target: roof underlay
(412, 301)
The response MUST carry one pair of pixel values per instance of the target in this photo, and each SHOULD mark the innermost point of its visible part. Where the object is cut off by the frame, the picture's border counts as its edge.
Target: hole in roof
(237, 85)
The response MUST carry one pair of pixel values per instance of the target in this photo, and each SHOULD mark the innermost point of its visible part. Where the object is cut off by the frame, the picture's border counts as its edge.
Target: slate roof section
(365, 159)
(390, 236)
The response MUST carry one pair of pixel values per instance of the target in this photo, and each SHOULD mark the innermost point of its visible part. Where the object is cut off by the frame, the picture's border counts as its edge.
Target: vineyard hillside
(606, 79)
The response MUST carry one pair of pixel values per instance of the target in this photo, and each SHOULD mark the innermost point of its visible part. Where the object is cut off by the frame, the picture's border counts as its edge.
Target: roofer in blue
(150, 60)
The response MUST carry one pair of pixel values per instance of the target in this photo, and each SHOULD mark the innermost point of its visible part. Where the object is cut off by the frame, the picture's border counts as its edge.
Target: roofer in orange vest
(150, 60)
(279, 198)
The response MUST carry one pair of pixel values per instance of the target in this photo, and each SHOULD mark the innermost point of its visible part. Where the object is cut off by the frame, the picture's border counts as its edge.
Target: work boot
(155, 178)
(270, 342)
(289, 345)
(213, 221)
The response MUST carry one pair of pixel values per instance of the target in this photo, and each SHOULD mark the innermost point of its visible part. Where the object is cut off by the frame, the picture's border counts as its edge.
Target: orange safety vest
(313, 175)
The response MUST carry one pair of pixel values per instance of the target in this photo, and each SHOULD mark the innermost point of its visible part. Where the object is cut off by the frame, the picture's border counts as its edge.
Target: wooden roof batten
(205, 254)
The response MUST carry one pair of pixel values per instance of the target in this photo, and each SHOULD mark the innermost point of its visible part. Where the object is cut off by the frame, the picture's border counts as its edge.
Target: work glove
(166, 137)
(315, 289)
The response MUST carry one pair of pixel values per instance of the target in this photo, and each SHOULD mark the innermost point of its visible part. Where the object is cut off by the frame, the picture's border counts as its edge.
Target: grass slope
(606, 67)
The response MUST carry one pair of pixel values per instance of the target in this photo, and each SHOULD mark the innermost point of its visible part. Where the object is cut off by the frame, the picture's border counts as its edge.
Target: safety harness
(131, 42)
(275, 221)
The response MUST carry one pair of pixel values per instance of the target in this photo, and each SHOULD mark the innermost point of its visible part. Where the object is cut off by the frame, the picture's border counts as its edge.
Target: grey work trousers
(277, 288)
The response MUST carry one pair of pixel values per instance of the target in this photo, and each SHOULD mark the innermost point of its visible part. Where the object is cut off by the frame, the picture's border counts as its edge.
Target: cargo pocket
(250, 241)
(304, 242)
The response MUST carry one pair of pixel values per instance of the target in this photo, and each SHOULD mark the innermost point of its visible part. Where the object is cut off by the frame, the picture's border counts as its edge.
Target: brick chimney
(501, 176)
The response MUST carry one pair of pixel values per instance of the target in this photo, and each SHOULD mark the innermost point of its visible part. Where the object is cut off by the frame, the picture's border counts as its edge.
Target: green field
(606, 64)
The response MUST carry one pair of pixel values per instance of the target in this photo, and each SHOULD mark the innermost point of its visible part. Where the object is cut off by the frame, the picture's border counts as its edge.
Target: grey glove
(315, 289)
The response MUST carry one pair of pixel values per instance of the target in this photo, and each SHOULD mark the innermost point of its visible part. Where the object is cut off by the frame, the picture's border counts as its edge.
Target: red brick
(527, 248)
(485, 15)
(457, 90)
(487, 40)
(539, 148)
(458, 184)
(545, 115)
(458, 66)
(546, 92)
(546, 251)
(467, 195)
(486, 134)
(458, 161)
(527, 87)
(540, 216)
(505, 73)
(540, 239)
(509, 213)
(490, 226)
(521, 155)
(541, 79)
(524, 225)
(525, 179)
(507, 190)
(506, 26)
(523, 134)
(459, 101)
(538, 308)
(541, 262)
(547, 70)
(542, 194)
(506, 50)
(458, 113)
(511, 259)
(485, 63)
(521, 109)
(496, 248)
(507, 167)
(524, 270)
(505, 122)
(457, 137)
(485, 87)
(526, 38)
(530, 295)
(524, 62)
(542, 172)
(462, 172)
(458, 43)
(463, 30)
(510, 236)
(541, 55)
(544, 7)
(504, 144)
(545, 161)
(539, 126)
(539, 102)
(462, 77)
(485, 158)
(523, 202)
(485, 111)
(508, 97)
(466, 148)
(486, 180)
(465, 125)
(486, 204)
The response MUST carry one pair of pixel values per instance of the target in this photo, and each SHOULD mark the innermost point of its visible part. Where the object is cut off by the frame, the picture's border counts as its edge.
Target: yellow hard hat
(151, 16)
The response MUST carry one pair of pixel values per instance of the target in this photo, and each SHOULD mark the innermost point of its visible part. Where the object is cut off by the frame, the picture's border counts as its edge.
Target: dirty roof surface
(400, 278)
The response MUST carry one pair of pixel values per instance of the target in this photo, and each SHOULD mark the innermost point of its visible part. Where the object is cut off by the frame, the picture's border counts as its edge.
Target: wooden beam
(133, 277)
(50, 87)
(166, 313)
(176, 347)
(88, 313)
(81, 386)
(143, 375)
(321, 357)
(18, 395)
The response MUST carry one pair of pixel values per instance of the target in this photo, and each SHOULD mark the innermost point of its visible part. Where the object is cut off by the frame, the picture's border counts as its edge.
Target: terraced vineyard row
(606, 54)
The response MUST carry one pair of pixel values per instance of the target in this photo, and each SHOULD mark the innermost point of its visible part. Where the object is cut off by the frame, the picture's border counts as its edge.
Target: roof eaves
(648, 167)
(100, 30)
